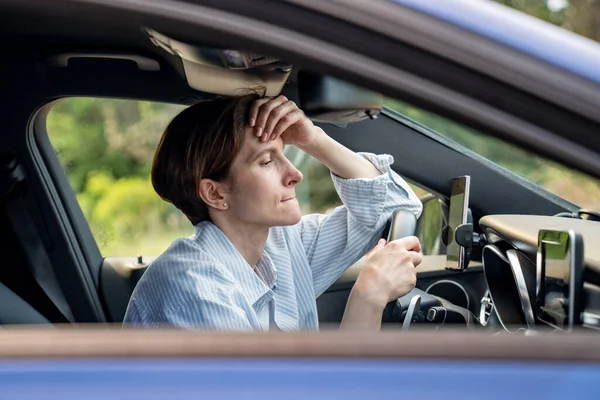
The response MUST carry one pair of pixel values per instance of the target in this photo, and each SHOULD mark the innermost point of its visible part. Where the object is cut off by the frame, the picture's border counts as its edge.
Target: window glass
(106, 148)
(571, 185)
(316, 193)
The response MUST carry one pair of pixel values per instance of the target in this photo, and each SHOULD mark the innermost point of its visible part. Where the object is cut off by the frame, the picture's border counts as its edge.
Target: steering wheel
(407, 308)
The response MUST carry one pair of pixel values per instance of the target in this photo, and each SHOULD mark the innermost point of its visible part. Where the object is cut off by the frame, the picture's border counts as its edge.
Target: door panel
(118, 277)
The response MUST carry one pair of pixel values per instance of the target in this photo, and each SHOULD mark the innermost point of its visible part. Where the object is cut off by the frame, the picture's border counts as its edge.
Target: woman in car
(254, 262)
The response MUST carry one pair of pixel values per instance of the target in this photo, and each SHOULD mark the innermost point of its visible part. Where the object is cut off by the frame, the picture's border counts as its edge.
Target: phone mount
(464, 237)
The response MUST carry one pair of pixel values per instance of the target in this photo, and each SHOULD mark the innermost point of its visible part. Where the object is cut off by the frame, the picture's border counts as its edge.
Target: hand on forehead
(270, 117)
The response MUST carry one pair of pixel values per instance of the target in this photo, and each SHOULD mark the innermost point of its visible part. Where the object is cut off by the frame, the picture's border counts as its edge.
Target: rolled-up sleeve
(336, 241)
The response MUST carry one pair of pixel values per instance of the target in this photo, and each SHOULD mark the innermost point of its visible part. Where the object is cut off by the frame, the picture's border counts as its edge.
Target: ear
(213, 194)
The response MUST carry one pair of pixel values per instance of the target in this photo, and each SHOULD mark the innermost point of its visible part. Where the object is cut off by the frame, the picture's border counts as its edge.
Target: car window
(106, 147)
(316, 193)
(571, 185)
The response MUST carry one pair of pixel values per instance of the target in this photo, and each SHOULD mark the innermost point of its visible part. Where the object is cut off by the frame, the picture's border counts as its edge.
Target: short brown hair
(200, 142)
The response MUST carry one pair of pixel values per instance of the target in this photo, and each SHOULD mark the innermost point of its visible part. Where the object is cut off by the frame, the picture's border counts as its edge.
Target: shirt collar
(215, 242)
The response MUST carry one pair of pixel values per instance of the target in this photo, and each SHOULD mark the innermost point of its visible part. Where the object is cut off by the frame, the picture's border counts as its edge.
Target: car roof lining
(53, 37)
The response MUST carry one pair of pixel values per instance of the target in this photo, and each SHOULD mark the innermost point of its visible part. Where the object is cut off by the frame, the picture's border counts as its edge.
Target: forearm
(362, 313)
(339, 159)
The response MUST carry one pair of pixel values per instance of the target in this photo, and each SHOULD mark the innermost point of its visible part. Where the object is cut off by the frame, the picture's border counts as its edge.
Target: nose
(293, 175)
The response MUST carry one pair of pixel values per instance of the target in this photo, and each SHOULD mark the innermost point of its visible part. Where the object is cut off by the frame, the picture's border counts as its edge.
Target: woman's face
(263, 193)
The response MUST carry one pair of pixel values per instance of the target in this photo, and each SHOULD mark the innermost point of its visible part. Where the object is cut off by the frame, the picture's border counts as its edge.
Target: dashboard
(510, 258)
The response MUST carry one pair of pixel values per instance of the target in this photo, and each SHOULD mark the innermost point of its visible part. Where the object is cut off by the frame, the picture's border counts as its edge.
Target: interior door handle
(143, 63)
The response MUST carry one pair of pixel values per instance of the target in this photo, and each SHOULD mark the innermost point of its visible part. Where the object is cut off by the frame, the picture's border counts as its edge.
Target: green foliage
(571, 185)
(106, 148)
(579, 16)
(536, 8)
(431, 227)
(127, 207)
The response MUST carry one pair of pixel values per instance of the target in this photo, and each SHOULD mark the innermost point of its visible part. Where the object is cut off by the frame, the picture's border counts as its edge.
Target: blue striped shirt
(203, 282)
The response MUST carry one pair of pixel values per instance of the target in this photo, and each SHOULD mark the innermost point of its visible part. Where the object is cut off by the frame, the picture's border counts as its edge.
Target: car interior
(505, 254)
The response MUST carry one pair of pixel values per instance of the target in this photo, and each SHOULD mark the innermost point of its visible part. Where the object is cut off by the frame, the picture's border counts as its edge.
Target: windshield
(574, 186)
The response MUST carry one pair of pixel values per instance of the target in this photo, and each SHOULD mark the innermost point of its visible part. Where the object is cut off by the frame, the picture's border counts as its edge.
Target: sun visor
(327, 99)
(224, 71)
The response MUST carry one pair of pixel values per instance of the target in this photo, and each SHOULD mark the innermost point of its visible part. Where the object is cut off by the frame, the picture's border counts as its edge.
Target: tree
(579, 16)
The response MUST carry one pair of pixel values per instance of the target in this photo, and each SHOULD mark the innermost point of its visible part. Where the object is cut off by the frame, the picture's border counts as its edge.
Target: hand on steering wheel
(390, 267)
(408, 306)
(389, 271)
(403, 224)
(389, 275)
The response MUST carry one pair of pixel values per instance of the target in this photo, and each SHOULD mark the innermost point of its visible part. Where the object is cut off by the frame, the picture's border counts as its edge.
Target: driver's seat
(15, 310)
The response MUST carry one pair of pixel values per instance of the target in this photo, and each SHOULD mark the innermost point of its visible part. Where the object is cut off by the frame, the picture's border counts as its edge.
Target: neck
(249, 240)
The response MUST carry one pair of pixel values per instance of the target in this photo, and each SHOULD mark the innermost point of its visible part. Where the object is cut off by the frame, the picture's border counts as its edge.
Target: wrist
(319, 137)
(367, 294)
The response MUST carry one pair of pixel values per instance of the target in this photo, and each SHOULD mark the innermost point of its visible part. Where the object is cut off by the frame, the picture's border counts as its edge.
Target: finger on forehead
(277, 114)
(256, 106)
(286, 121)
(264, 110)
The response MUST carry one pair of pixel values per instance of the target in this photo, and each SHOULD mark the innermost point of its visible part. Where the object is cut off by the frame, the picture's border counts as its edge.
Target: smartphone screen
(457, 215)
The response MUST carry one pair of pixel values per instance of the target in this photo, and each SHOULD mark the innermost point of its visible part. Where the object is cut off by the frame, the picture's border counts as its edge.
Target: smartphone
(559, 278)
(457, 215)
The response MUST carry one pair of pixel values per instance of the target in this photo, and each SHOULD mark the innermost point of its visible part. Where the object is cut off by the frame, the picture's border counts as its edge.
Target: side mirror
(430, 225)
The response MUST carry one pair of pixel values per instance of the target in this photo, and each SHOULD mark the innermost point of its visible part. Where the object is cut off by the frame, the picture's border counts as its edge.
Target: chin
(290, 215)
(295, 219)
(291, 218)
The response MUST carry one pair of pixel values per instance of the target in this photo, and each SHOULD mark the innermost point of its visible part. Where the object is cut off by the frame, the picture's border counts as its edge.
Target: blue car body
(561, 48)
(265, 379)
